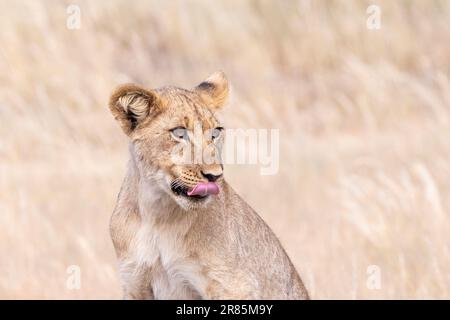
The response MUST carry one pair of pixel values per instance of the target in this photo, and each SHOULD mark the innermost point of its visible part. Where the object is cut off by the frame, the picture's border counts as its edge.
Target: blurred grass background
(363, 118)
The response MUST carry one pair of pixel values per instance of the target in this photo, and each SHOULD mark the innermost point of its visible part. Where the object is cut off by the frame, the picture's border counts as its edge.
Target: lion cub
(179, 230)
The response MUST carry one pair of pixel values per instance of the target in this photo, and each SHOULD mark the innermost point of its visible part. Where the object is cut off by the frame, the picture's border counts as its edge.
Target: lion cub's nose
(211, 177)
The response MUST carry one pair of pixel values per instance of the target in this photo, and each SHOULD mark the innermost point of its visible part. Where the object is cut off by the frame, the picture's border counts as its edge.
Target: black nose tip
(211, 177)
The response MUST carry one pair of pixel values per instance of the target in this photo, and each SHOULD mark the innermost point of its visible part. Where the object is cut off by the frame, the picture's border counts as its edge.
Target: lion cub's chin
(190, 204)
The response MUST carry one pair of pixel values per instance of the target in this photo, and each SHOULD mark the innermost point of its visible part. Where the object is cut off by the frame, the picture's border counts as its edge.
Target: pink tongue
(204, 188)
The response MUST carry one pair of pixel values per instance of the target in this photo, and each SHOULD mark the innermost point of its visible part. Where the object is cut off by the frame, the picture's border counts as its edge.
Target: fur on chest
(174, 272)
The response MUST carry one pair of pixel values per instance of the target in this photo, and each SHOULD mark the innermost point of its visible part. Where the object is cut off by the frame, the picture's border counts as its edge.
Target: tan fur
(172, 247)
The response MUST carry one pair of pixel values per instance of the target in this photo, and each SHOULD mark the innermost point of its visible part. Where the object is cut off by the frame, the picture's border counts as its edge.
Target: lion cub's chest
(173, 275)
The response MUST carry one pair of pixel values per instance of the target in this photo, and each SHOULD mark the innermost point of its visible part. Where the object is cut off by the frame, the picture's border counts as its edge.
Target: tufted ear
(131, 104)
(214, 90)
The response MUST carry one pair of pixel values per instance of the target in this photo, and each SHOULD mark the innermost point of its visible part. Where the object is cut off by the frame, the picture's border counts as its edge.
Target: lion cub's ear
(214, 90)
(131, 104)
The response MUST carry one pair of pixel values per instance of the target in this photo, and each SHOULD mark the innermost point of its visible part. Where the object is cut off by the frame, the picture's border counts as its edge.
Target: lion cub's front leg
(227, 285)
(216, 291)
(135, 278)
(135, 281)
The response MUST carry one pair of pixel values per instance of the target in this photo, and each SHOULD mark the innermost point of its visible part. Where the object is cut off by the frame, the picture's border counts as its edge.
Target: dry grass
(364, 118)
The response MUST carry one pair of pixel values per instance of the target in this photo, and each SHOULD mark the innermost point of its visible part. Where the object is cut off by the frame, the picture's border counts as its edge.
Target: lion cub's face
(175, 135)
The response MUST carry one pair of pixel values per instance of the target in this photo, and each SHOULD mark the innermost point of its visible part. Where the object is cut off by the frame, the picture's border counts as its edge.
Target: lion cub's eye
(180, 133)
(217, 132)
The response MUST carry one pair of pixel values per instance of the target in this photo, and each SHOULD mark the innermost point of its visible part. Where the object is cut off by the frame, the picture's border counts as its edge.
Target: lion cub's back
(249, 247)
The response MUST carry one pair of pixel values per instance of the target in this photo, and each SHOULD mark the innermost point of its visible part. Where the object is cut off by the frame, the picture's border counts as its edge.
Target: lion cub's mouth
(200, 191)
(204, 189)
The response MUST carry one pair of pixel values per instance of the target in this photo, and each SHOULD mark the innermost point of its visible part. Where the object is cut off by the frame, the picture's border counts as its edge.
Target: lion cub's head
(175, 136)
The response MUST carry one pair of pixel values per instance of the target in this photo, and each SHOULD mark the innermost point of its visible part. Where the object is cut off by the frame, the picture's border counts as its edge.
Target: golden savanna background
(363, 188)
